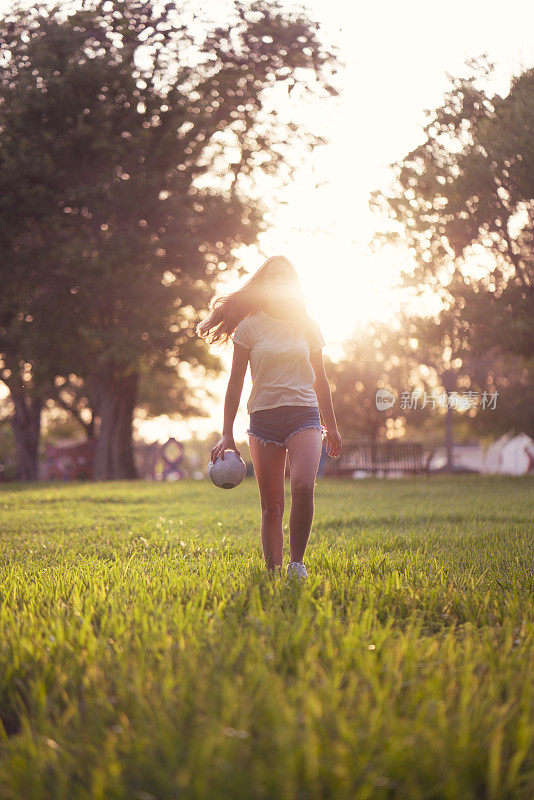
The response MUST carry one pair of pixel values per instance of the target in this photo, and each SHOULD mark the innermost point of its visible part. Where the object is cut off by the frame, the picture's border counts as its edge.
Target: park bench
(370, 456)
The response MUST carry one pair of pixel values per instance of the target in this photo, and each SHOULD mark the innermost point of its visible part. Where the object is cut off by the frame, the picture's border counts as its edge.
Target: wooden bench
(370, 456)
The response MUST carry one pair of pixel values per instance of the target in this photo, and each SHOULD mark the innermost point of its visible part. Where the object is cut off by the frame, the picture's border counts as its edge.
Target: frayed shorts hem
(262, 440)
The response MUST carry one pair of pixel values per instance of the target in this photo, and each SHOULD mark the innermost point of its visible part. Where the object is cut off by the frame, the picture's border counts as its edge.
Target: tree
(438, 345)
(129, 155)
(372, 361)
(463, 203)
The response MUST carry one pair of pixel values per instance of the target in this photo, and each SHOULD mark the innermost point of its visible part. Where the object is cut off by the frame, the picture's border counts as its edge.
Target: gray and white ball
(228, 472)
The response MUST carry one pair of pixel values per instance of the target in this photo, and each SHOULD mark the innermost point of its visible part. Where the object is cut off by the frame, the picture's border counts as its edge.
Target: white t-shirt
(279, 361)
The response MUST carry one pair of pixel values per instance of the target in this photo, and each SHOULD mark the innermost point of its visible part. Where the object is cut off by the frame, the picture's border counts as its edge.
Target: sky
(396, 59)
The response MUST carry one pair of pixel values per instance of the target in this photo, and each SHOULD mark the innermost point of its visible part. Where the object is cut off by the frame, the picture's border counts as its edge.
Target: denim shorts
(277, 424)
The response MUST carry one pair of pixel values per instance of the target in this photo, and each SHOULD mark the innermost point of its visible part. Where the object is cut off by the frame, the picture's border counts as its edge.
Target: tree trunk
(449, 383)
(449, 440)
(26, 424)
(116, 397)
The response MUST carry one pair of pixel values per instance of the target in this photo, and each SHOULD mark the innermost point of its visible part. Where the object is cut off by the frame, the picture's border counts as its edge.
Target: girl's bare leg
(304, 449)
(269, 461)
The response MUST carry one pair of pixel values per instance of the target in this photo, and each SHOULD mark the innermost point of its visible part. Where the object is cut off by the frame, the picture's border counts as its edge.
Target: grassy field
(145, 653)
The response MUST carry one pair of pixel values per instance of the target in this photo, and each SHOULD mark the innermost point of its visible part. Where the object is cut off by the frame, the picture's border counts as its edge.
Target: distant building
(465, 457)
(510, 455)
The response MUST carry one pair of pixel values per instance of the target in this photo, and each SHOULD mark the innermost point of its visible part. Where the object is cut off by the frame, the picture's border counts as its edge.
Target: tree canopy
(462, 203)
(132, 137)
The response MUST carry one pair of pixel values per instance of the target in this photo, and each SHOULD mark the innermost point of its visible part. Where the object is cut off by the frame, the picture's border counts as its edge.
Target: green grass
(145, 653)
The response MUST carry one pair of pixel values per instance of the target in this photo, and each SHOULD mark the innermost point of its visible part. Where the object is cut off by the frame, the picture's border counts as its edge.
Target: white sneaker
(296, 569)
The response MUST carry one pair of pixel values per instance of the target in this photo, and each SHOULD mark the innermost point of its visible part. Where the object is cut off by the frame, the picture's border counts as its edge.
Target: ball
(227, 472)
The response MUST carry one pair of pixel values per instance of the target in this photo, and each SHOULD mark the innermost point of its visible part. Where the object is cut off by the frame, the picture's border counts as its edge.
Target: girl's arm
(324, 398)
(231, 402)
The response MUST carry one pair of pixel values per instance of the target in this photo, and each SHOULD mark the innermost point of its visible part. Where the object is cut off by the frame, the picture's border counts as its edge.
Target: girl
(273, 330)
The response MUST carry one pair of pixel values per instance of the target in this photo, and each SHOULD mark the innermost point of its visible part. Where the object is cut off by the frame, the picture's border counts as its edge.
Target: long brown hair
(227, 310)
